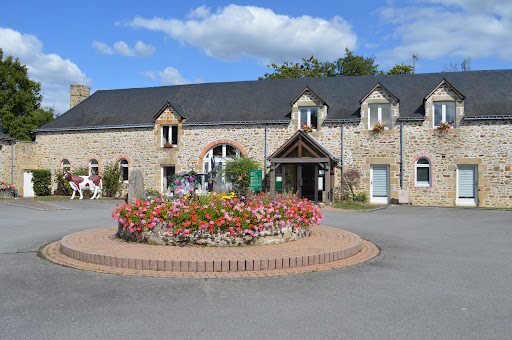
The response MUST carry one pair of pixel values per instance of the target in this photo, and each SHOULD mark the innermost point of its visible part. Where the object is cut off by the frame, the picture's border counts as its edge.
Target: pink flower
(176, 182)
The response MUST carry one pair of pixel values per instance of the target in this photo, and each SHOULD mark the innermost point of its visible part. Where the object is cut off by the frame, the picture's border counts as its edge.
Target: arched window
(93, 167)
(215, 159)
(123, 166)
(64, 165)
(423, 172)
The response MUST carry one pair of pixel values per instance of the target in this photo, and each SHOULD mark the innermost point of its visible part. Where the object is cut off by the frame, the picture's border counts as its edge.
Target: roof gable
(307, 89)
(444, 83)
(305, 144)
(173, 109)
(379, 87)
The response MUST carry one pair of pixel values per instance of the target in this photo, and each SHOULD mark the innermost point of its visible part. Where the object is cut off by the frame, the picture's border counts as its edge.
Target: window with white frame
(379, 113)
(123, 167)
(423, 173)
(169, 135)
(216, 158)
(93, 167)
(65, 166)
(308, 116)
(444, 112)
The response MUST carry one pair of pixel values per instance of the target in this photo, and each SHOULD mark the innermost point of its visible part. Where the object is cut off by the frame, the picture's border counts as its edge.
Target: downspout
(342, 154)
(401, 154)
(12, 161)
(265, 165)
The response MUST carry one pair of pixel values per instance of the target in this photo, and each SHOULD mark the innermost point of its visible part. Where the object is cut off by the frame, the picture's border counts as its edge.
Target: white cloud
(54, 72)
(234, 32)
(171, 76)
(148, 74)
(140, 49)
(450, 28)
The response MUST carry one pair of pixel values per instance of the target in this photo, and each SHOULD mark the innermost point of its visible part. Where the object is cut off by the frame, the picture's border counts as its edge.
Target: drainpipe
(401, 154)
(342, 153)
(12, 161)
(265, 165)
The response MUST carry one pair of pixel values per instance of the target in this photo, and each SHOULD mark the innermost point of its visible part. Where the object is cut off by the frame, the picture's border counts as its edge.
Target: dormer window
(169, 135)
(379, 113)
(309, 117)
(444, 112)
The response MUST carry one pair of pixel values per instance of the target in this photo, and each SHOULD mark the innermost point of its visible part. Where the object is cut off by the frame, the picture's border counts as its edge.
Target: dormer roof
(379, 86)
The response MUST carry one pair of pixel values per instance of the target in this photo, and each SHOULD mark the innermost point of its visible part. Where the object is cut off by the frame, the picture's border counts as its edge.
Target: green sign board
(256, 180)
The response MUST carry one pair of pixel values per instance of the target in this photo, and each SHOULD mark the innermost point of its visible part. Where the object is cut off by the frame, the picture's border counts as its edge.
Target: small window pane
(374, 114)
(450, 112)
(303, 116)
(165, 135)
(230, 151)
(423, 174)
(423, 161)
(314, 118)
(438, 113)
(217, 151)
(174, 137)
(386, 114)
(123, 163)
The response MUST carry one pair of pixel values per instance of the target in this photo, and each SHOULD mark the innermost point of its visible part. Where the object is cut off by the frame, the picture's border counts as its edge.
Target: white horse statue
(79, 183)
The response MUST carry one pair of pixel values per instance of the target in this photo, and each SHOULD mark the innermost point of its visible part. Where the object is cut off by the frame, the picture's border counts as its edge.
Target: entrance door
(28, 186)
(308, 182)
(379, 186)
(467, 185)
(167, 173)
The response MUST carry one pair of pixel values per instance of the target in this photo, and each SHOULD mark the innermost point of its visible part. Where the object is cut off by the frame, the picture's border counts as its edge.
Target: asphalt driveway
(443, 273)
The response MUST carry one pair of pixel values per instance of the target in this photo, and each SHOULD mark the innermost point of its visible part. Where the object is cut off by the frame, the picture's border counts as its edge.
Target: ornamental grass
(218, 214)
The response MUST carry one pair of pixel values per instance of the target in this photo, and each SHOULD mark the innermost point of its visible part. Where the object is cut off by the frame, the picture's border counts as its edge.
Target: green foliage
(238, 173)
(401, 69)
(80, 171)
(42, 179)
(20, 100)
(360, 197)
(63, 187)
(350, 65)
(111, 179)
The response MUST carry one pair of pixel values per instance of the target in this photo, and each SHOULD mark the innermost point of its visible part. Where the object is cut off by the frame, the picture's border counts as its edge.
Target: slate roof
(486, 94)
(3, 136)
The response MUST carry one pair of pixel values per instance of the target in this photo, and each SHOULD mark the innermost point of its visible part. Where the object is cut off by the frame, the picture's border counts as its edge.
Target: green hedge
(42, 179)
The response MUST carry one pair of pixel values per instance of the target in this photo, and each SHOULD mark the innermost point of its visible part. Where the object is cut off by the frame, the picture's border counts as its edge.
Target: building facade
(441, 139)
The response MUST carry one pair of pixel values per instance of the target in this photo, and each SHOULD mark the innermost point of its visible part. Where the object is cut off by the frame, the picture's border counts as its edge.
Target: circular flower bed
(217, 220)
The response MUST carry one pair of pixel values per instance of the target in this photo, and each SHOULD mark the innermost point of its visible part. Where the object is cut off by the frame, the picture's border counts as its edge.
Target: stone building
(416, 158)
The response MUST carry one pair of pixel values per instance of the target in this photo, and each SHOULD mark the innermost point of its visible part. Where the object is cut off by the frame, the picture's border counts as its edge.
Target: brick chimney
(78, 93)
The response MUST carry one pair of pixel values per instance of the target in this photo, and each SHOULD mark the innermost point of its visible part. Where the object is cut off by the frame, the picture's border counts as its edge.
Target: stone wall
(26, 157)
(487, 144)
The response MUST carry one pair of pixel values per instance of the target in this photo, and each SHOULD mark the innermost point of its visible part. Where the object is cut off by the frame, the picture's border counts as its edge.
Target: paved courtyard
(442, 273)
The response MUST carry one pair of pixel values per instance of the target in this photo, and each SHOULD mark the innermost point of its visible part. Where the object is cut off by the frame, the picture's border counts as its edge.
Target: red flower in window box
(307, 127)
(379, 126)
(444, 126)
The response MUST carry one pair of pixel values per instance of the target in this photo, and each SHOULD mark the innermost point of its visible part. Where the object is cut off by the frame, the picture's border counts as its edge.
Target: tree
(401, 69)
(310, 68)
(355, 65)
(351, 178)
(349, 65)
(20, 100)
(238, 173)
(465, 65)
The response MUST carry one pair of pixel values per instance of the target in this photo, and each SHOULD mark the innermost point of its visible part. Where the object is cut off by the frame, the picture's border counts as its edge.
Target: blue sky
(123, 44)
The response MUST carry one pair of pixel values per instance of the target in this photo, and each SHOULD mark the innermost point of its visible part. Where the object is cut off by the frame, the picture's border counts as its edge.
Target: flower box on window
(379, 126)
(168, 146)
(307, 127)
(444, 126)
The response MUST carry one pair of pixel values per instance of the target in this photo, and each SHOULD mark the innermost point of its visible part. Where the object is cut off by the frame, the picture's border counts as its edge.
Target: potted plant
(444, 126)
(379, 126)
(307, 127)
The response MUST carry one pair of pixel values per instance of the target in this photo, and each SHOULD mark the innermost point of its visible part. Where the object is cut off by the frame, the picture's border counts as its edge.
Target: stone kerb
(100, 247)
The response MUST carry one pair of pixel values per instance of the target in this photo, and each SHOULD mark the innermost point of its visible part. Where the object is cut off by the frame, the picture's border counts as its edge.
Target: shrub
(63, 187)
(238, 173)
(213, 213)
(42, 179)
(351, 178)
(81, 170)
(111, 179)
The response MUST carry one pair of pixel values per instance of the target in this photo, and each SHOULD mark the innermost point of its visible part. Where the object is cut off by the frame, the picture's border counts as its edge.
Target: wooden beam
(301, 160)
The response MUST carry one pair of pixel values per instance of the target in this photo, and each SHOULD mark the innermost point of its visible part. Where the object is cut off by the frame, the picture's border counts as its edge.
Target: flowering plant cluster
(307, 127)
(444, 126)
(215, 214)
(183, 184)
(379, 126)
(7, 187)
